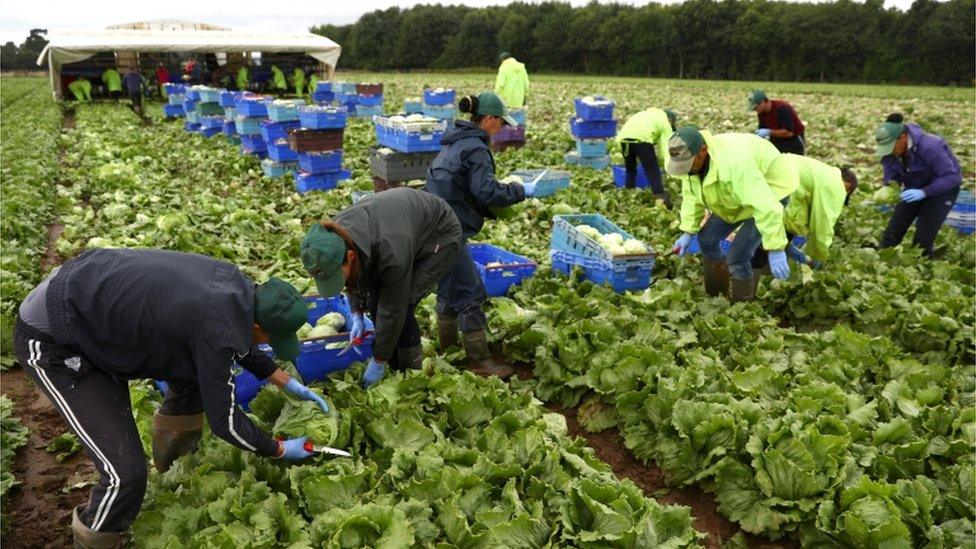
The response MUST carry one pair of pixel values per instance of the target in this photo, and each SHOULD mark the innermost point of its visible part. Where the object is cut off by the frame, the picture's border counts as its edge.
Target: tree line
(843, 41)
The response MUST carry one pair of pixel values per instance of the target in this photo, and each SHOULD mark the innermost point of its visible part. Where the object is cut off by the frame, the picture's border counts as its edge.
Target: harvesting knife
(355, 343)
(309, 447)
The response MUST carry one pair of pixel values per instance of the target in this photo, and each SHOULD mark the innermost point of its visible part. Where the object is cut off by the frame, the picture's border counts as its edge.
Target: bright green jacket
(242, 78)
(816, 205)
(747, 177)
(280, 83)
(81, 89)
(649, 126)
(298, 78)
(313, 83)
(112, 79)
(512, 83)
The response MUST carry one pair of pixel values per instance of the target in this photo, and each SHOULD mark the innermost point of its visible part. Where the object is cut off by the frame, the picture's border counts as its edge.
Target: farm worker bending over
(113, 81)
(388, 251)
(242, 78)
(278, 79)
(744, 182)
(925, 167)
(112, 315)
(81, 89)
(313, 83)
(133, 85)
(298, 79)
(778, 122)
(645, 136)
(512, 82)
(463, 174)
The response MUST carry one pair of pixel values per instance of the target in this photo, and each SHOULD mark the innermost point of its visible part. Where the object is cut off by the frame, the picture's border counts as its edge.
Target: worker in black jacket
(112, 315)
(388, 250)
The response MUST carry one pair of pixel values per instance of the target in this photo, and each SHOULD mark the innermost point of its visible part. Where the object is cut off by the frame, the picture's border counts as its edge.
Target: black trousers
(928, 215)
(96, 408)
(409, 336)
(794, 145)
(634, 150)
(136, 98)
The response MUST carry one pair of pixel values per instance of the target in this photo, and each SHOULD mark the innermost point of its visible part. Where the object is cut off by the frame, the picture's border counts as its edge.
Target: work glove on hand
(374, 373)
(681, 245)
(912, 195)
(529, 188)
(814, 264)
(764, 132)
(358, 326)
(296, 388)
(778, 264)
(795, 254)
(294, 449)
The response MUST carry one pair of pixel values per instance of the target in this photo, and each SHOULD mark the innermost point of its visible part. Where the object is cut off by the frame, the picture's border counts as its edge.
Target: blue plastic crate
(324, 86)
(176, 99)
(964, 222)
(965, 202)
(279, 111)
(591, 147)
(584, 129)
(189, 105)
(573, 158)
(519, 115)
(322, 118)
(323, 97)
(634, 277)
(566, 238)
(272, 131)
(347, 88)
(259, 154)
(228, 98)
(413, 107)
(554, 180)
(441, 112)
(603, 110)
(272, 168)
(209, 132)
(173, 111)
(191, 126)
(230, 114)
(320, 162)
(620, 176)
(347, 99)
(247, 125)
(410, 142)
(192, 94)
(229, 128)
(233, 139)
(279, 151)
(370, 100)
(246, 387)
(315, 361)
(212, 122)
(252, 106)
(499, 278)
(443, 97)
(369, 110)
(210, 95)
(173, 88)
(253, 144)
(306, 182)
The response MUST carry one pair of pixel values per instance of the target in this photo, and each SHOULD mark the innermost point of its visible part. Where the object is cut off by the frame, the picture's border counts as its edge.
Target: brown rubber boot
(410, 358)
(86, 538)
(665, 198)
(716, 275)
(743, 289)
(479, 357)
(174, 436)
(447, 331)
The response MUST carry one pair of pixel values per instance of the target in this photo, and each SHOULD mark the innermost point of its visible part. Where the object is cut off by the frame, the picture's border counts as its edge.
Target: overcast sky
(18, 17)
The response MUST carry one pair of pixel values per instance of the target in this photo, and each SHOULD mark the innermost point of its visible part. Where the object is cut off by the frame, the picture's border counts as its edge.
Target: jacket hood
(462, 129)
(914, 132)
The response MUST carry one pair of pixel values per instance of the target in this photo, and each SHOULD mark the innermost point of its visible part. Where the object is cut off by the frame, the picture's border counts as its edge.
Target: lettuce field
(836, 410)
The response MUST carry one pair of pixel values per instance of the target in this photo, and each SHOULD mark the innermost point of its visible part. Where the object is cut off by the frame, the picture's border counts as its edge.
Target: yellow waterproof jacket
(816, 205)
(649, 126)
(298, 78)
(113, 80)
(512, 83)
(278, 77)
(313, 83)
(242, 78)
(81, 89)
(747, 177)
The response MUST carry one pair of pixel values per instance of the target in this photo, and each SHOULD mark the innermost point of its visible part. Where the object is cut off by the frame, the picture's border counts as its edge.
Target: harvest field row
(836, 409)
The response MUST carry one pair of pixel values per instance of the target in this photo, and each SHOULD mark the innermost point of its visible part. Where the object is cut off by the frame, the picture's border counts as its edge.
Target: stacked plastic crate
(229, 128)
(592, 127)
(407, 147)
(174, 102)
(345, 96)
(962, 217)
(579, 241)
(323, 94)
(511, 136)
(282, 118)
(191, 98)
(209, 113)
(251, 111)
(317, 144)
(369, 100)
(439, 103)
(413, 105)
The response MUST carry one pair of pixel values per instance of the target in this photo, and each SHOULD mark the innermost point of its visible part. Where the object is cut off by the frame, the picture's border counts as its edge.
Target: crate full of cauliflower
(605, 252)
(325, 336)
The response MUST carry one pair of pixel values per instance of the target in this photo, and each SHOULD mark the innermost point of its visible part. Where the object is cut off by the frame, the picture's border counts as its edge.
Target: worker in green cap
(744, 182)
(243, 78)
(645, 137)
(512, 82)
(81, 89)
(387, 251)
(298, 80)
(278, 81)
(113, 81)
(113, 315)
(778, 122)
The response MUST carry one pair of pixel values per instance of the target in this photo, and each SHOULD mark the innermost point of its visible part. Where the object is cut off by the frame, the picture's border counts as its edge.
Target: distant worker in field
(645, 137)
(183, 318)
(779, 123)
(278, 81)
(298, 81)
(243, 78)
(313, 83)
(744, 182)
(512, 82)
(133, 85)
(162, 78)
(81, 89)
(929, 174)
(463, 174)
(113, 82)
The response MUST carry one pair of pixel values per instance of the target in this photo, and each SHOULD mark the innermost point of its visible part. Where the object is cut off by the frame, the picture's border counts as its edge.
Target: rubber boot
(716, 275)
(86, 538)
(479, 357)
(743, 289)
(411, 358)
(174, 436)
(756, 277)
(665, 198)
(447, 331)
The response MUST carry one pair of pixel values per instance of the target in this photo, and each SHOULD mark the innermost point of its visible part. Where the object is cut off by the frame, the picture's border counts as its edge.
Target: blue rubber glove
(294, 450)
(778, 264)
(358, 326)
(529, 189)
(912, 195)
(681, 245)
(374, 373)
(763, 132)
(795, 254)
(814, 264)
(296, 388)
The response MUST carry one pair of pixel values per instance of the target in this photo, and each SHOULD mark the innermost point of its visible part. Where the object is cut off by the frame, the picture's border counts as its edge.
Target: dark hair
(895, 117)
(344, 235)
(469, 104)
(850, 177)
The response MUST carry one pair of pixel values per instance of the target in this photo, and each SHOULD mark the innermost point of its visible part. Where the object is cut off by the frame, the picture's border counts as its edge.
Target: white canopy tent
(179, 37)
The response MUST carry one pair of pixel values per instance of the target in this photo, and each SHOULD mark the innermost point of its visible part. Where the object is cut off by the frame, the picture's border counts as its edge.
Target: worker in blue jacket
(463, 174)
(113, 315)
(929, 174)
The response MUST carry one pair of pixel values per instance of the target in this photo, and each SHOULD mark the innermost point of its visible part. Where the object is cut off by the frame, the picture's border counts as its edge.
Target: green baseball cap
(682, 148)
(280, 311)
(503, 56)
(672, 116)
(489, 103)
(323, 252)
(885, 137)
(755, 98)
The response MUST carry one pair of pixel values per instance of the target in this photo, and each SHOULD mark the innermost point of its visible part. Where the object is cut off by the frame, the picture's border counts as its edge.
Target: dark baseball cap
(755, 98)
(280, 311)
(323, 253)
(682, 148)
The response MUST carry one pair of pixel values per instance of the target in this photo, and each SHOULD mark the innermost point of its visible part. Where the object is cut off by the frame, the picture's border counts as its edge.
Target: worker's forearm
(782, 134)
(279, 378)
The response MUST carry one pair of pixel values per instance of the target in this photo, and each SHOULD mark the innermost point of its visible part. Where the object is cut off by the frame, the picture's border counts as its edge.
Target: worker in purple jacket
(929, 175)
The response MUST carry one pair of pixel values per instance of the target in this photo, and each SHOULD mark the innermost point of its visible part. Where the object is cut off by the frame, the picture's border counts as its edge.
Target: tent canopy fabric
(179, 37)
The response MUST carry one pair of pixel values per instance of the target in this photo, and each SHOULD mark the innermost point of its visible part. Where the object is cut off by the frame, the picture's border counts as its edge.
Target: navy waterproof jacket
(931, 166)
(463, 174)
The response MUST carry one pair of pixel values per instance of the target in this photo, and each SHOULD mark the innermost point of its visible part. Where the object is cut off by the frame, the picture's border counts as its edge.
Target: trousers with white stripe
(96, 408)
